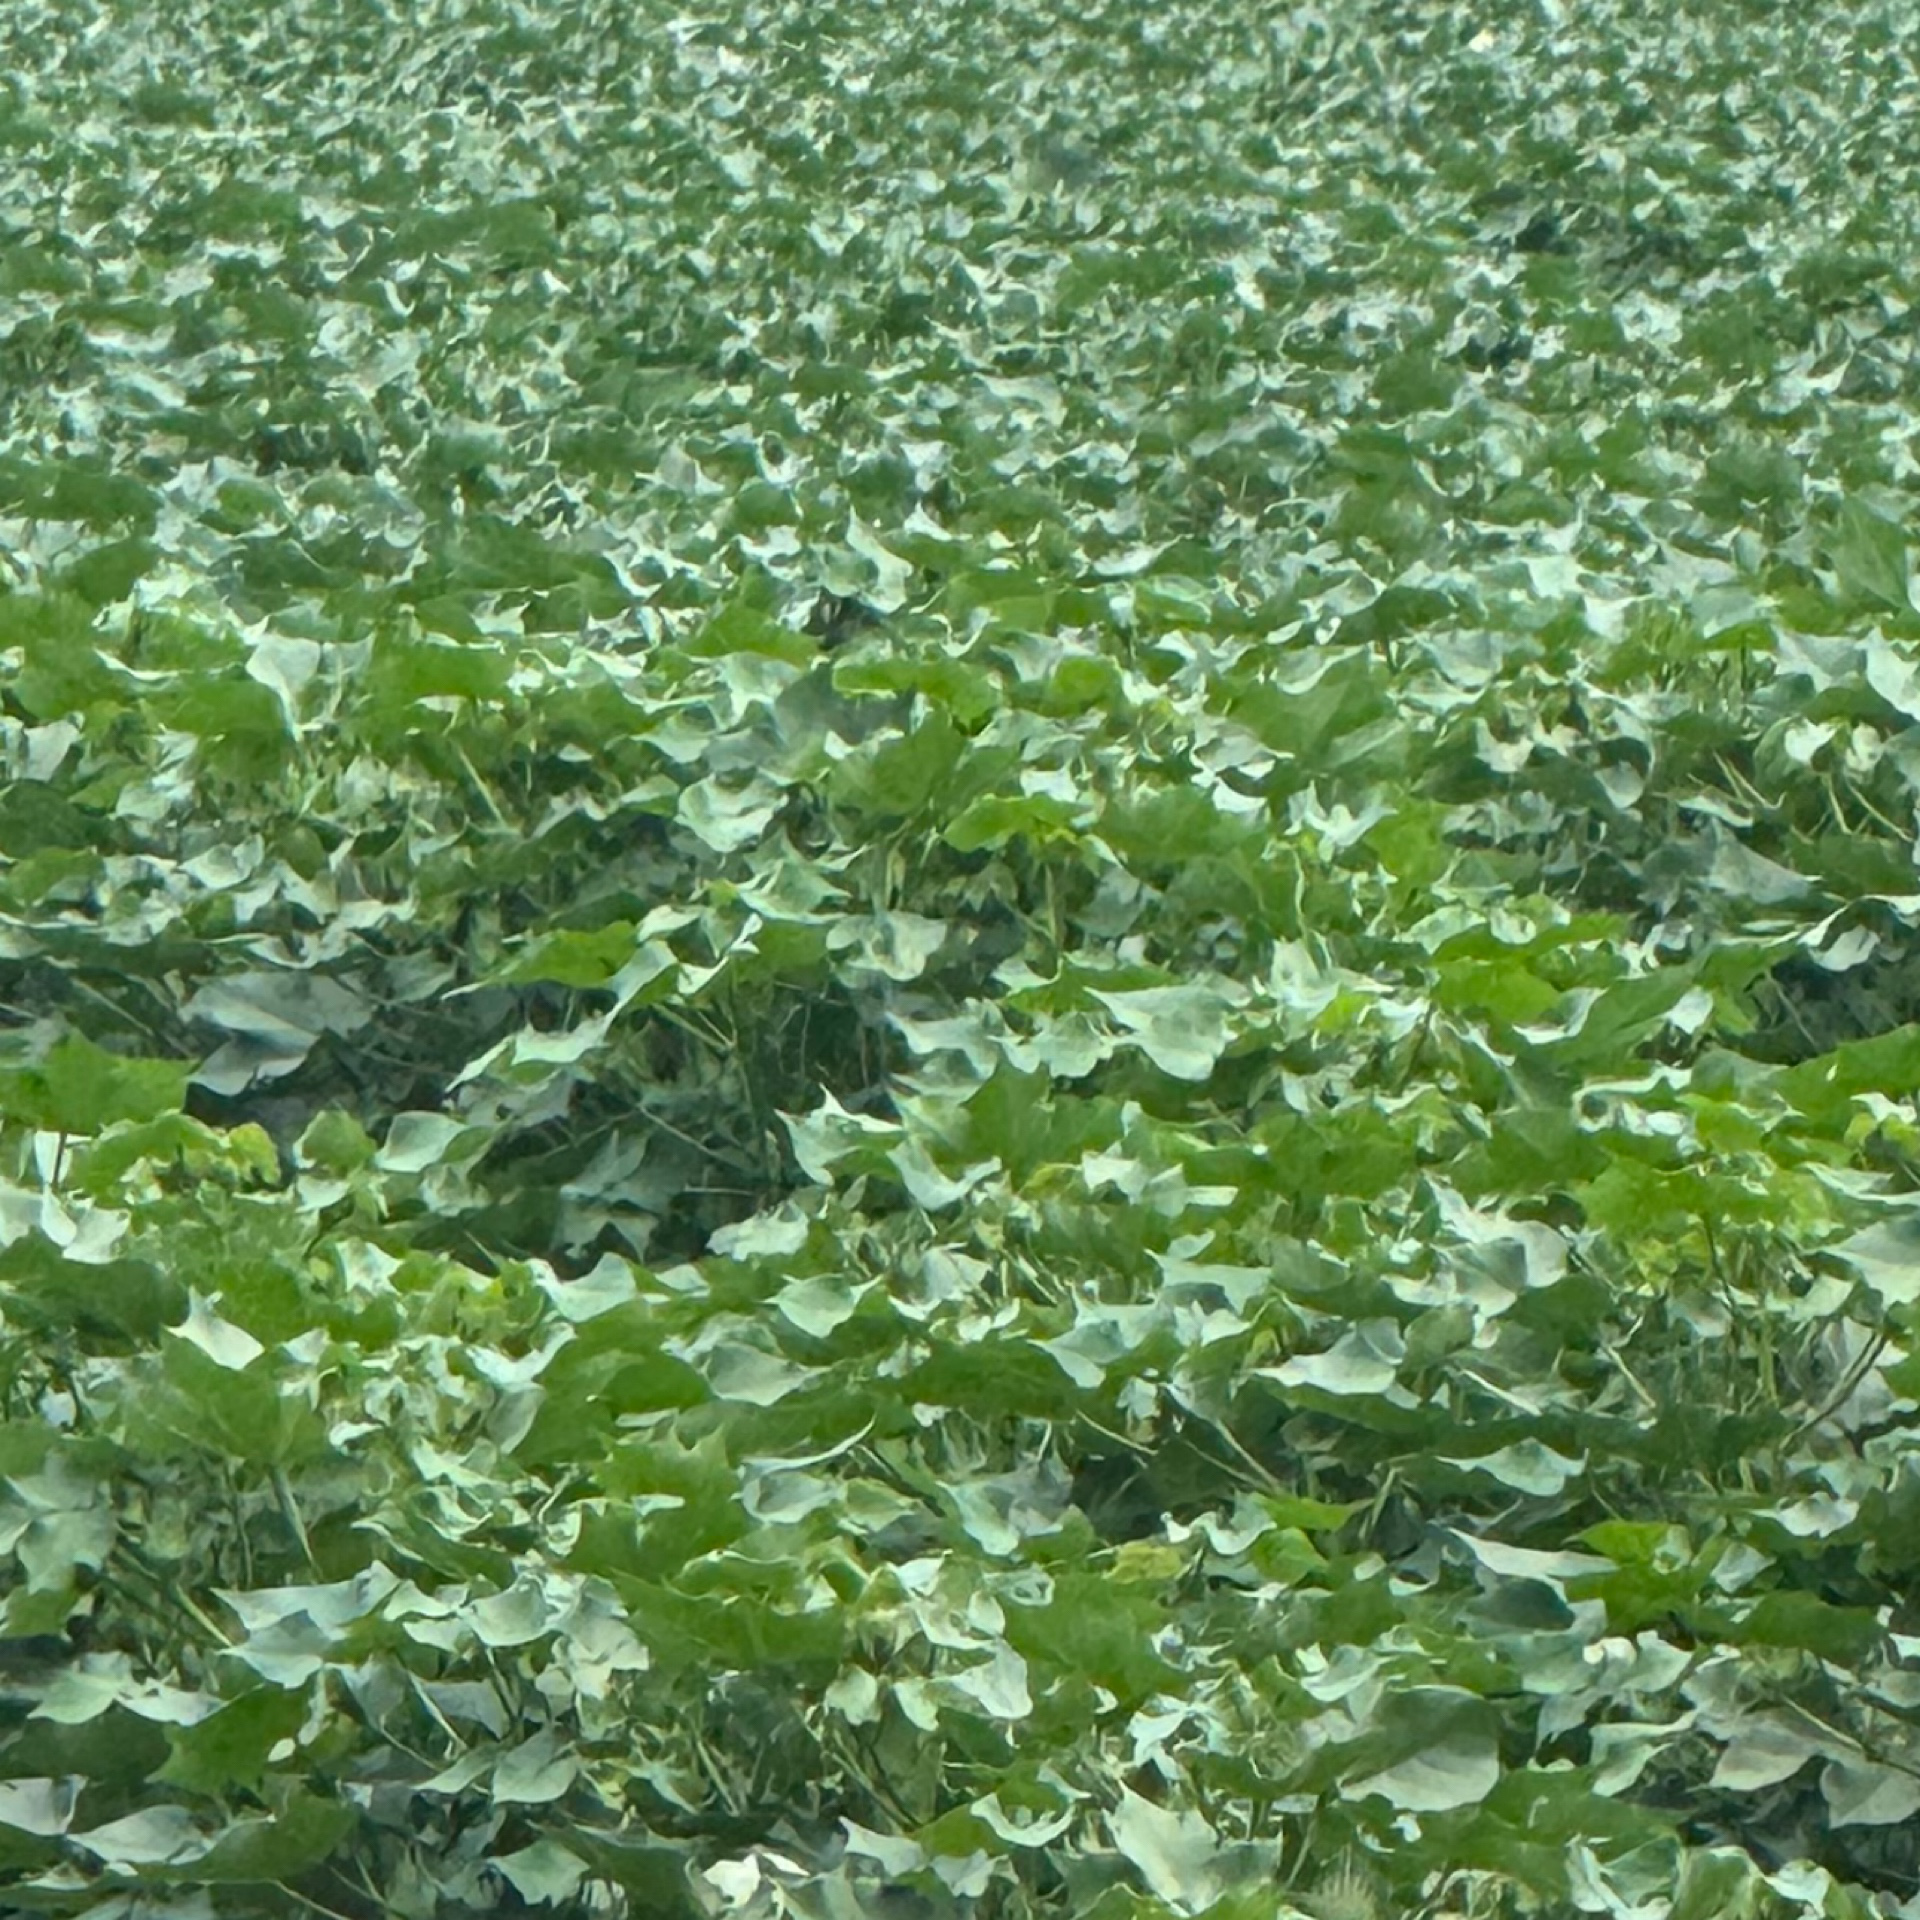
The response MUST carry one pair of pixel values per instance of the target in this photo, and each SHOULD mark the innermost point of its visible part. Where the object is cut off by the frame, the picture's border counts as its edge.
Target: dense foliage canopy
(958, 960)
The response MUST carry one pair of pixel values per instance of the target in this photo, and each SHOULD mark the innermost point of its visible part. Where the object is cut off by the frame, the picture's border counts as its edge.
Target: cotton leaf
(564, 1047)
(1848, 949)
(829, 1134)
(854, 1696)
(463, 1773)
(1528, 1466)
(1529, 1563)
(535, 1772)
(1765, 1749)
(775, 1234)
(1446, 1747)
(416, 1141)
(1886, 1256)
(39, 1806)
(1743, 874)
(739, 1372)
(272, 1005)
(608, 1284)
(220, 1340)
(1622, 1751)
(158, 1836)
(1817, 1515)
(898, 945)
(927, 1184)
(1365, 1359)
(1870, 556)
(331, 1606)
(999, 1685)
(726, 817)
(891, 573)
(1458, 1773)
(895, 1853)
(544, 1874)
(1178, 1853)
(510, 1619)
(1182, 1030)
(1019, 1826)
(818, 1304)
(1861, 1793)
(284, 664)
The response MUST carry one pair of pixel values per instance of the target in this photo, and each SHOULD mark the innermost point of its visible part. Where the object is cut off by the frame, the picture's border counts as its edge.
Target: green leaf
(653, 1876)
(107, 574)
(240, 1415)
(897, 778)
(1096, 1629)
(1444, 1748)
(576, 959)
(335, 1142)
(233, 1747)
(994, 819)
(78, 1087)
(1814, 1625)
(1718, 1882)
(1870, 556)
(303, 1832)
